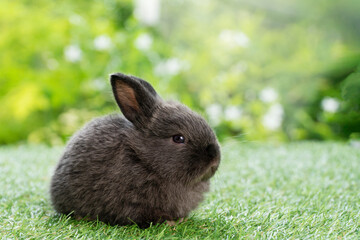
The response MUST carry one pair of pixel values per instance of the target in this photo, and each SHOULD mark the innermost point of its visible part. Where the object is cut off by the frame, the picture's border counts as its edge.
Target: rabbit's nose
(212, 150)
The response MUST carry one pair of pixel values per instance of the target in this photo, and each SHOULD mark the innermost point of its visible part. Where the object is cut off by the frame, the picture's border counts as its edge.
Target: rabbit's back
(86, 165)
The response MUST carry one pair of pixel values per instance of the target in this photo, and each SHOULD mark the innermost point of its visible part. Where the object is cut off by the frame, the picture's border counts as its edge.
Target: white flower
(240, 67)
(234, 38)
(99, 83)
(147, 11)
(214, 113)
(102, 42)
(272, 120)
(233, 113)
(73, 53)
(52, 64)
(76, 19)
(268, 95)
(329, 104)
(143, 42)
(169, 67)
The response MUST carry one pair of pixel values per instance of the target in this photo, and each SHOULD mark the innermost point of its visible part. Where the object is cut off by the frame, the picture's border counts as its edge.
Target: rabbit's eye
(178, 139)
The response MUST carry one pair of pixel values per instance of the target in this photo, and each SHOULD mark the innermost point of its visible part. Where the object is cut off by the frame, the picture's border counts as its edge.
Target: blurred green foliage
(257, 70)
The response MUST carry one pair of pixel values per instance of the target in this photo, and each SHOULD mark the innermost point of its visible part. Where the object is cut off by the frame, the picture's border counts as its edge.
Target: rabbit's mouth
(209, 173)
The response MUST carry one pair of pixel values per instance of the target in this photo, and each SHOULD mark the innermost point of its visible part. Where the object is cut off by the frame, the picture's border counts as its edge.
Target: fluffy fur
(129, 170)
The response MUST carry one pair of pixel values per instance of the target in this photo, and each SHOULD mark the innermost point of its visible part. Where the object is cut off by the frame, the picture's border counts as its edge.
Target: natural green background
(261, 70)
(257, 70)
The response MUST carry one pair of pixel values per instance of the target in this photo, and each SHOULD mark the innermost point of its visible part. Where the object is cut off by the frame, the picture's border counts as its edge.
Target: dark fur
(125, 171)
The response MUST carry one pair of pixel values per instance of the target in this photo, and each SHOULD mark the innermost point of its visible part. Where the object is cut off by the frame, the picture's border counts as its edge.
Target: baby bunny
(152, 166)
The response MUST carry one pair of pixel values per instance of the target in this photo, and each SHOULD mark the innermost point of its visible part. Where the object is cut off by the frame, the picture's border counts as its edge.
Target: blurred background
(279, 70)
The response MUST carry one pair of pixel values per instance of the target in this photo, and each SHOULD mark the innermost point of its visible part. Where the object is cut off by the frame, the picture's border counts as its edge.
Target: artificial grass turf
(307, 190)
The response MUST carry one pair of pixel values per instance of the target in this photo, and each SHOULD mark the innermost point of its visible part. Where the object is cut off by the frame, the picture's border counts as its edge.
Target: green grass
(299, 191)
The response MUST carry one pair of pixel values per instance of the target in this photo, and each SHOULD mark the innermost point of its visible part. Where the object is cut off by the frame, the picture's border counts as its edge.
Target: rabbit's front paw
(173, 222)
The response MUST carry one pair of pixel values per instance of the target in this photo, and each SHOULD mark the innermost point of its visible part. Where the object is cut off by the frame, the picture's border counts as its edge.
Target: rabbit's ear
(135, 97)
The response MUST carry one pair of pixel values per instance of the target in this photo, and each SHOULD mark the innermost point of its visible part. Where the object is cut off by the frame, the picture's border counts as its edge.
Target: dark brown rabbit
(151, 167)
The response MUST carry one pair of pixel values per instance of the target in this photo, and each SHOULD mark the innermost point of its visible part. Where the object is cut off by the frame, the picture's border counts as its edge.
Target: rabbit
(149, 167)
